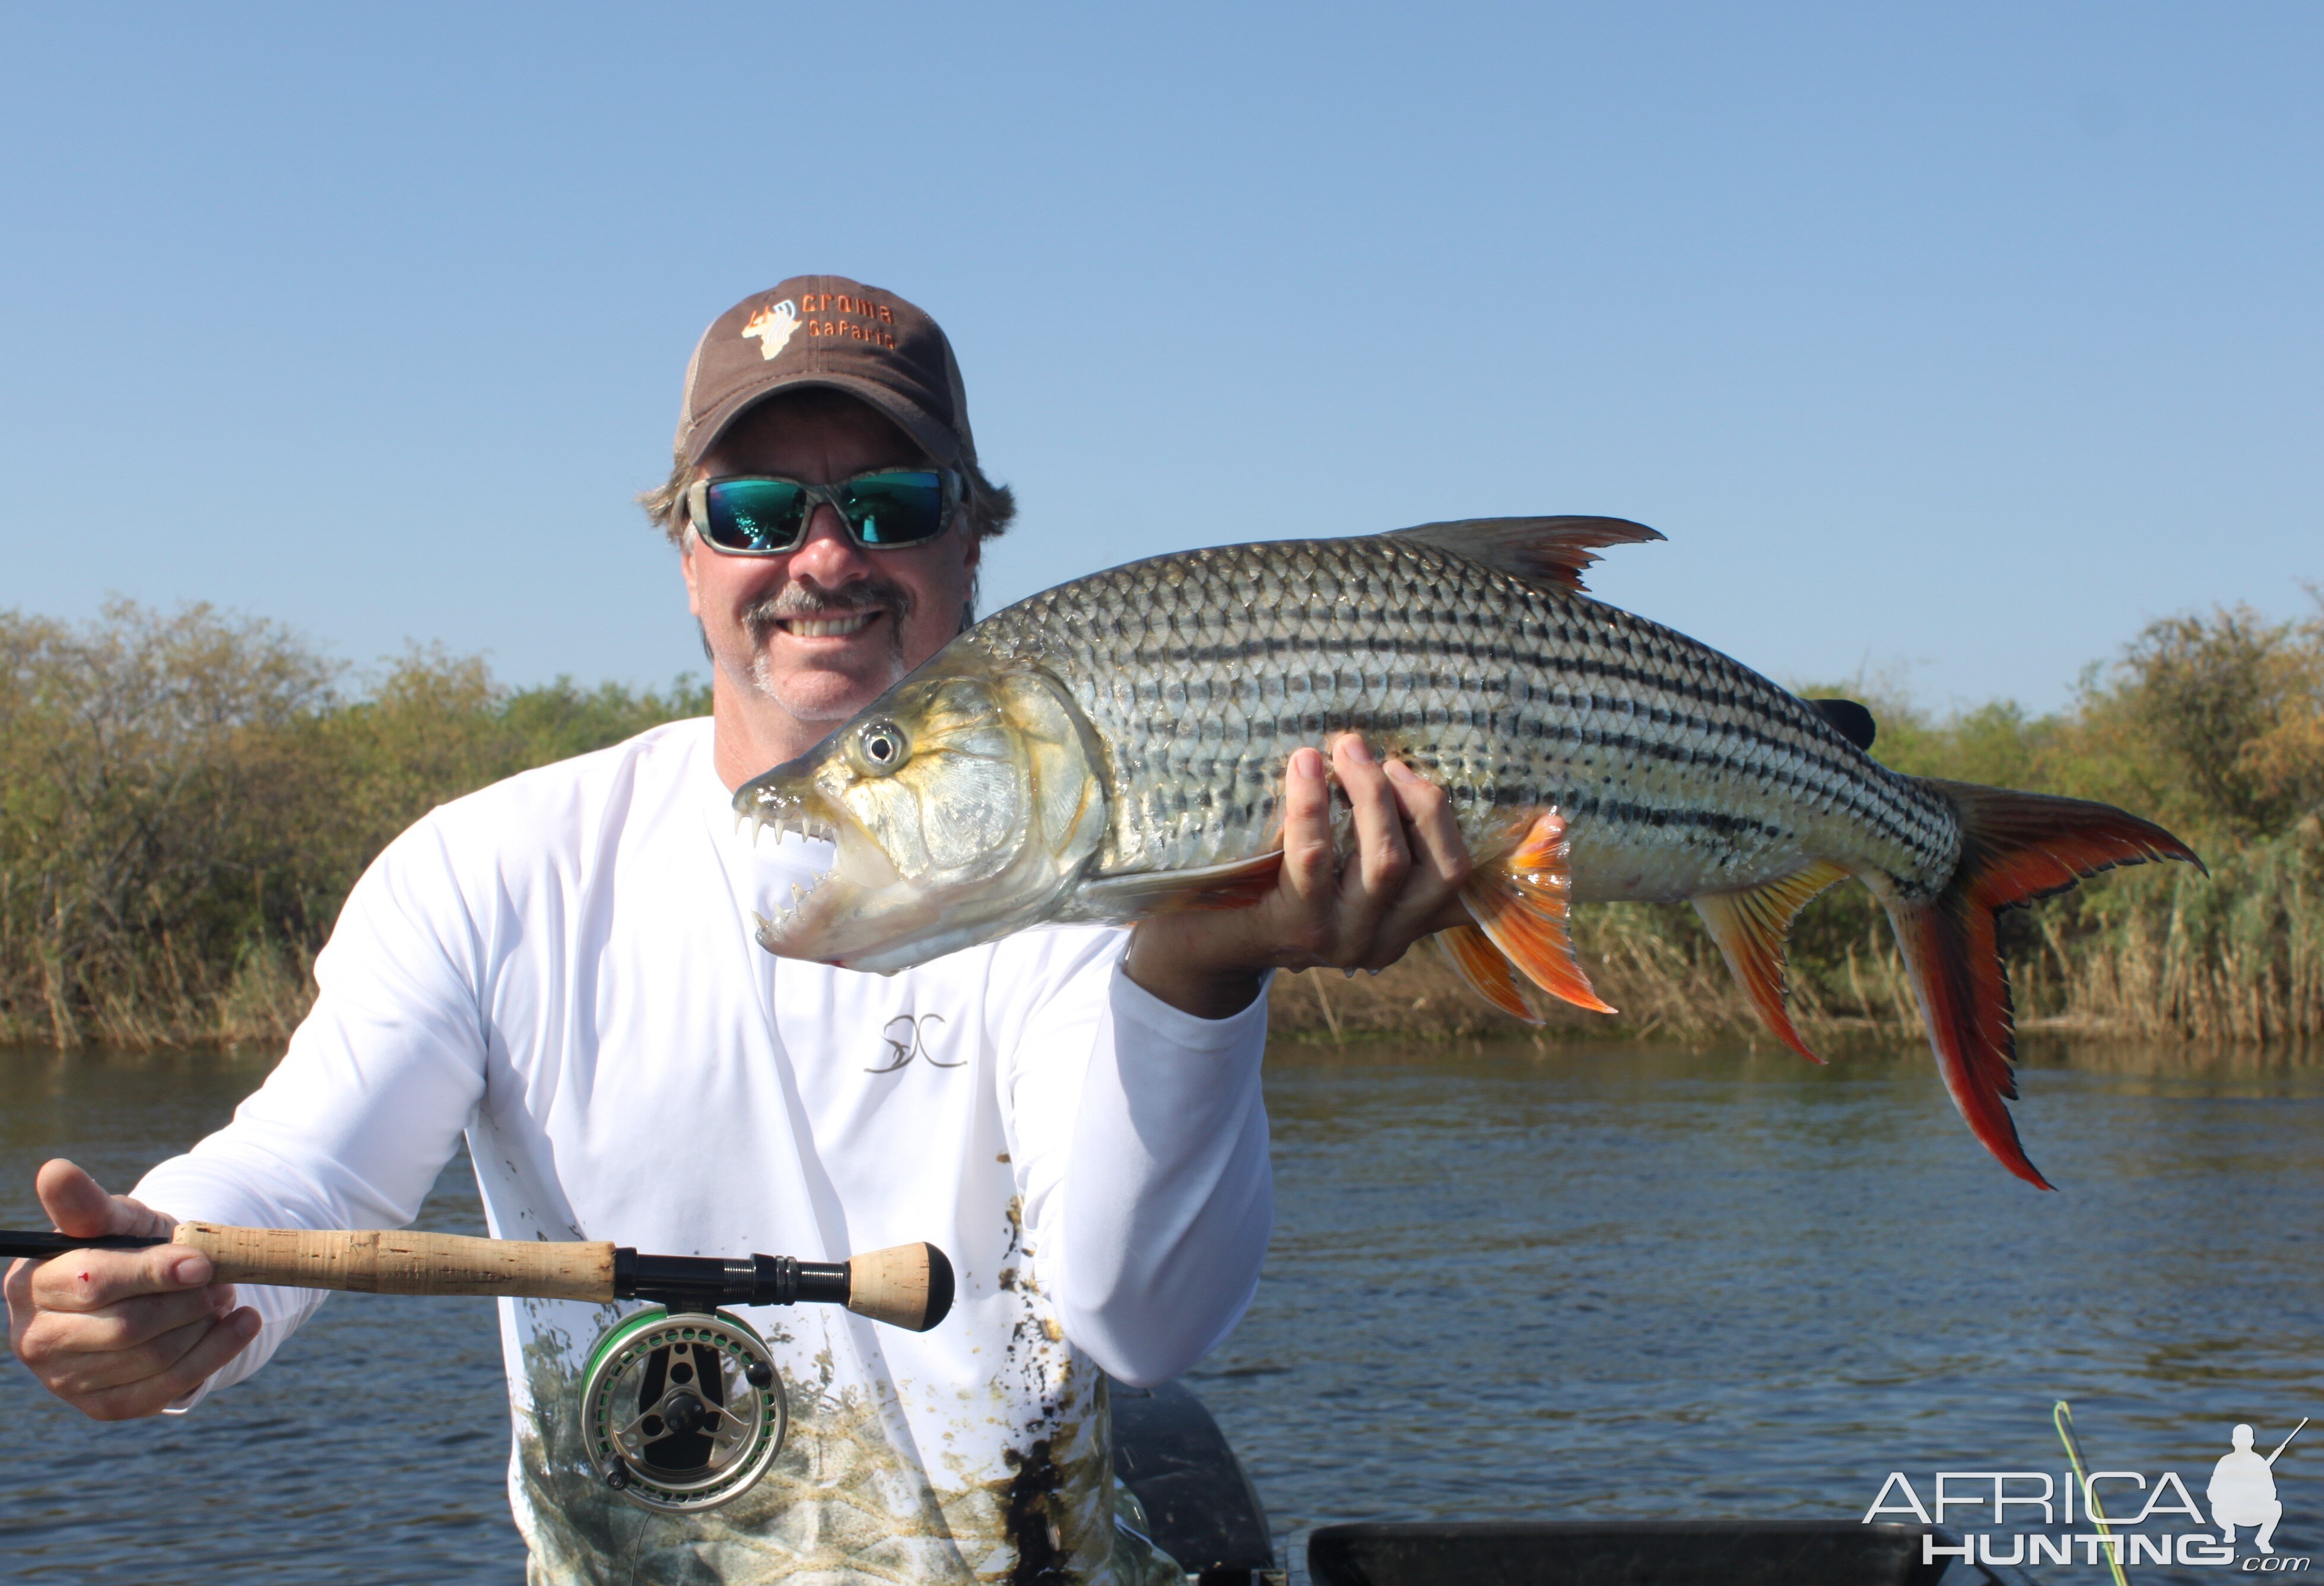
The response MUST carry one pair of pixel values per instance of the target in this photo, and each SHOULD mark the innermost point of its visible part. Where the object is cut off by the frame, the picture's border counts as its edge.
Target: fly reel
(682, 1407)
(682, 1410)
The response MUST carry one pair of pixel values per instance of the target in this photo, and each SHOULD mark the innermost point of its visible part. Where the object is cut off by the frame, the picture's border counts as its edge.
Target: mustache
(805, 602)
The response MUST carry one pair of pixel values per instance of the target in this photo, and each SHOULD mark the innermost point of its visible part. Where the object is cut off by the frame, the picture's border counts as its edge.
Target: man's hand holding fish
(1353, 911)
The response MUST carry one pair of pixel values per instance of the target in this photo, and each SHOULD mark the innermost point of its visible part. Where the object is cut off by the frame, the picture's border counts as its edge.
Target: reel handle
(904, 1285)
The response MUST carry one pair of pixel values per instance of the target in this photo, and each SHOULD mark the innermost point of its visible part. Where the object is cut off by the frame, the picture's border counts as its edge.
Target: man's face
(823, 629)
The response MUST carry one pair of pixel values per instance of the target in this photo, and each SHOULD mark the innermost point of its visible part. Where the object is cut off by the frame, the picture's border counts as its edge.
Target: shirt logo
(773, 327)
(907, 1037)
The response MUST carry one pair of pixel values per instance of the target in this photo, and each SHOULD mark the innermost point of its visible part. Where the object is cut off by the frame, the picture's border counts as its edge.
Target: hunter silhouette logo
(2242, 1489)
(772, 326)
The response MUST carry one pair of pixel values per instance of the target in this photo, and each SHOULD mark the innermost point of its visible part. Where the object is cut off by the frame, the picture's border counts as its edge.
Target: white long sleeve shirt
(561, 967)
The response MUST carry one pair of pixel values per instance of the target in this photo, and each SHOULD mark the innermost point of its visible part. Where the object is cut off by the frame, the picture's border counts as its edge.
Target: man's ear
(688, 545)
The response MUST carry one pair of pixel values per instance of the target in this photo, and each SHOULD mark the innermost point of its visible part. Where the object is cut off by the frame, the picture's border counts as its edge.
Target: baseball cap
(827, 330)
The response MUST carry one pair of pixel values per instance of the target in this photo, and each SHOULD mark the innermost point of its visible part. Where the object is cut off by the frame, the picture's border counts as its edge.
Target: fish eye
(882, 747)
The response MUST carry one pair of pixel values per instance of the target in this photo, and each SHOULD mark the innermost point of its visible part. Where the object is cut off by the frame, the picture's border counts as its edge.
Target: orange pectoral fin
(1749, 927)
(1484, 971)
(1523, 899)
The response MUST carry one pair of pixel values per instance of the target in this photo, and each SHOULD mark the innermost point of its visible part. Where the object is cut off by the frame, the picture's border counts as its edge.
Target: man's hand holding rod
(118, 1334)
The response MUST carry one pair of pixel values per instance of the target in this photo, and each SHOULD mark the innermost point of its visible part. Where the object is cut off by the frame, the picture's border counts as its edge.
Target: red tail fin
(2015, 847)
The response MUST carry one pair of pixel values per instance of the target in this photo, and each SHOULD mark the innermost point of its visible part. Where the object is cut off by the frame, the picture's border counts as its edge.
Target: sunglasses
(765, 516)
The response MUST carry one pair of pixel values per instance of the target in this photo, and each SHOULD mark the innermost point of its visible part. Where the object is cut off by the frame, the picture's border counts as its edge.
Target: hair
(991, 507)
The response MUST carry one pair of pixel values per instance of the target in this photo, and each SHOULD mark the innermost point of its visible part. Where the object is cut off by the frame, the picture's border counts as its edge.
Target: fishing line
(2061, 1416)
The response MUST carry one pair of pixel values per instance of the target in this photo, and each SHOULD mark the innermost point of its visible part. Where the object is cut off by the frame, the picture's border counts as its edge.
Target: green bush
(185, 800)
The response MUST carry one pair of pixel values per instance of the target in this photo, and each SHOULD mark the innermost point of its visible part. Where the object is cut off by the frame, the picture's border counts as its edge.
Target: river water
(1504, 1283)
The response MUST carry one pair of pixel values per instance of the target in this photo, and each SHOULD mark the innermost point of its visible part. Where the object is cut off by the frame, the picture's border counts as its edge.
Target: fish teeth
(804, 827)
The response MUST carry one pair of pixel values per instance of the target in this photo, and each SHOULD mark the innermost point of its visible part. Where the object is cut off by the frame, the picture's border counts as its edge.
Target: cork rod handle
(399, 1261)
(905, 1285)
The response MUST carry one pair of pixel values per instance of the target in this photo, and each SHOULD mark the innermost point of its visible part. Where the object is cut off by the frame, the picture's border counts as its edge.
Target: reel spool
(681, 1410)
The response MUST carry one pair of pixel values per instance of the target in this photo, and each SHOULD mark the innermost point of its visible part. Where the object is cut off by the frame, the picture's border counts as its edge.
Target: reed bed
(186, 798)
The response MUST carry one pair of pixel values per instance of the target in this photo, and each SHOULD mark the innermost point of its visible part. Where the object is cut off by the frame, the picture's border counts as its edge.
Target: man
(560, 967)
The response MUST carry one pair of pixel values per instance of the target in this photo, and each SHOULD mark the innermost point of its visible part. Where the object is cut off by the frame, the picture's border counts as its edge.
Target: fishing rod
(682, 1407)
(2061, 1416)
(2287, 1440)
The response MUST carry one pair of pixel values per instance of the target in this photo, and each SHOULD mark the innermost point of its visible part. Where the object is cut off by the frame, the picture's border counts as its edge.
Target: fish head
(962, 803)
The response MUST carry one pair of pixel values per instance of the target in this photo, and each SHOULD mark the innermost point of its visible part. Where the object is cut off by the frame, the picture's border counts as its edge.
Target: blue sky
(1951, 342)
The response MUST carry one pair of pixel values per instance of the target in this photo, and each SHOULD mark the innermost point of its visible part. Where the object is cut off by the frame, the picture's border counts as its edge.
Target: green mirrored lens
(901, 508)
(755, 515)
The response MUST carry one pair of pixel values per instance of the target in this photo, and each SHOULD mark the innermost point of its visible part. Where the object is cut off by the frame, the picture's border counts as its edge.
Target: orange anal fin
(1522, 900)
(1239, 885)
(1749, 926)
(1484, 971)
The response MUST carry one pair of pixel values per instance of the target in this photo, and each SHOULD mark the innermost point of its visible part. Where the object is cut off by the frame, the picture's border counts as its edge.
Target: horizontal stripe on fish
(1910, 821)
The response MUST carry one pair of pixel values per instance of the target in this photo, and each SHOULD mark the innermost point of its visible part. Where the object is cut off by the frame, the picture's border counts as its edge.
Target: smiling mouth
(827, 627)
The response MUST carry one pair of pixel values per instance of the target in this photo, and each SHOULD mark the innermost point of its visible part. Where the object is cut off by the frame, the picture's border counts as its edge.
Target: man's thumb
(78, 1204)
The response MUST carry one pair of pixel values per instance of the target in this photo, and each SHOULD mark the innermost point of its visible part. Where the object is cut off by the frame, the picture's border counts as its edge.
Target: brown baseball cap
(827, 330)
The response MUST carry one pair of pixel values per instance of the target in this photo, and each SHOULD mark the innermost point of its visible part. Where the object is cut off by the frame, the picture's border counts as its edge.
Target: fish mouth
(860, 881)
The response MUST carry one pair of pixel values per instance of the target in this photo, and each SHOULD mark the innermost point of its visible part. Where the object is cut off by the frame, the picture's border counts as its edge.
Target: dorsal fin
(1541, 550)
(1851, 720)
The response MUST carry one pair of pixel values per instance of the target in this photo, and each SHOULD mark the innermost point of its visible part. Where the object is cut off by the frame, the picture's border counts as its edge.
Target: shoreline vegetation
(186, 798)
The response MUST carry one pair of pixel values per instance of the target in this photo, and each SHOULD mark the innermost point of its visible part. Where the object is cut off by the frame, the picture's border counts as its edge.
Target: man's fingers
(118, 1334)
(57, 1335)
(220, 1342)
(230, 1336)
(1431, 900)
(91, 1280)
(1307, 826)
(1382, 861)
(1438, 846)
(78, 1204)
(78, 1375)
(21, 1309)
